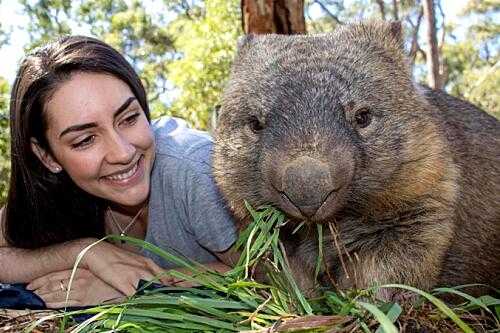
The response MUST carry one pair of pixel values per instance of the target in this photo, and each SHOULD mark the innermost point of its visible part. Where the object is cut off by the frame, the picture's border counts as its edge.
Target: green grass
(235, 302)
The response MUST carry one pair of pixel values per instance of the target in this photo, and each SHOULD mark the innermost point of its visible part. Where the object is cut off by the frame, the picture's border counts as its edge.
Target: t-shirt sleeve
(209, 217)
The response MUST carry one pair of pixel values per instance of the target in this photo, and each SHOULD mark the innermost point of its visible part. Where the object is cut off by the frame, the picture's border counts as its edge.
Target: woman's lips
(129, 178)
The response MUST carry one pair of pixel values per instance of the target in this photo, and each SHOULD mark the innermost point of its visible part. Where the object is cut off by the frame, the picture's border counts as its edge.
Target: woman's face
(98, 133)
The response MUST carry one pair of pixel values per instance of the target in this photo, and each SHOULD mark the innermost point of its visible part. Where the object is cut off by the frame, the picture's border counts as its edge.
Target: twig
(443, 25)
(381, 6)
(257, 310)
(414, 40)
(328, 12)
(337, 246)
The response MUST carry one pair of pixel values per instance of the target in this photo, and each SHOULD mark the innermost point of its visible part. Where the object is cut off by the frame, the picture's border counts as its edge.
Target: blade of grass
(176, 260)
(489, 300)
(305, 306)
(155, 314)
(438, 303)
(297, 228)
(86, 322)
(471, 299)
(385, 323)
(392, 315)
(320, 251)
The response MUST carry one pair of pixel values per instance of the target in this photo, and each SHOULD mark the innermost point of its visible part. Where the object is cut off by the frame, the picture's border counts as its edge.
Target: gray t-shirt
(187, 214)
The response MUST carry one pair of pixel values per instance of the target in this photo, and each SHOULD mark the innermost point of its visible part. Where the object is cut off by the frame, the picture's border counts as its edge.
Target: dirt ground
(16, 320)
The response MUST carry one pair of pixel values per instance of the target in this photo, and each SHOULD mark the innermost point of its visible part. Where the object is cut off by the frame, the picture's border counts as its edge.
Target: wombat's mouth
(309, 187)
(310, 212)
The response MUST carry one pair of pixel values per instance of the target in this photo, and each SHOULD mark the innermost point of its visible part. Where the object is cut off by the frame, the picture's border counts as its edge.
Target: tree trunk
(273, 16)
(395, 10)
(381, 7)
(434, 78)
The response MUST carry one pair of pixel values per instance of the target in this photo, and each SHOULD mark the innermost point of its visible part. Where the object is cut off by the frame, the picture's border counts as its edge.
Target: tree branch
(395, 10)
(328, 12)
(443, 26)
(381, 7)
(415, 47)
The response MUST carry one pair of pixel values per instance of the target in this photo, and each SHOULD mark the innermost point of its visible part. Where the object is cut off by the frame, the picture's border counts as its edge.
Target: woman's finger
(125, 286)
(145, 275)
(60, 296)
(60, 285)
(52, 286)
(168, 280)
(120, 268)
(63, 304)
(155, 269)
(38, 283)
(56, 276)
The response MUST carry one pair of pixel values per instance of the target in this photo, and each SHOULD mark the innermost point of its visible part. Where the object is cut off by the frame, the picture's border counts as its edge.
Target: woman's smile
(127, 177)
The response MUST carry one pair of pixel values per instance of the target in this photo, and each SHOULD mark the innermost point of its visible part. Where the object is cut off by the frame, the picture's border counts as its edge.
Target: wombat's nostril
(306, 184)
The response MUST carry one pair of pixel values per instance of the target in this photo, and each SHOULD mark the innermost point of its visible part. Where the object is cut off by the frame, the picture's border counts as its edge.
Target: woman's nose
(120, 150)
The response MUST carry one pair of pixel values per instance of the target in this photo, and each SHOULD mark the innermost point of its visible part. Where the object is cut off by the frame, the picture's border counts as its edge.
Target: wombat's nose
(306, 183)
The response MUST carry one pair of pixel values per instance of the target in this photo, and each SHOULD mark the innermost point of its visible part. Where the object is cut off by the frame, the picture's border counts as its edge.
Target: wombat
(332, 129)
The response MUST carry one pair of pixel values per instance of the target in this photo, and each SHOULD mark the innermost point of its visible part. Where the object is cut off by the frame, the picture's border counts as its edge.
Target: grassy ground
(235, 302)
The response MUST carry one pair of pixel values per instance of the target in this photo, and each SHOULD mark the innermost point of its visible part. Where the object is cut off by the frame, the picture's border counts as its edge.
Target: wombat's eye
(255, 124)
(363, 117)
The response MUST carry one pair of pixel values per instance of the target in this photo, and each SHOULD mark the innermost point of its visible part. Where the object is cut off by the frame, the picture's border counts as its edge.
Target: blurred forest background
(183, 48)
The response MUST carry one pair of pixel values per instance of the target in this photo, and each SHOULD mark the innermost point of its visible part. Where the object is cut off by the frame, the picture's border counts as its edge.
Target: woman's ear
(45, 157)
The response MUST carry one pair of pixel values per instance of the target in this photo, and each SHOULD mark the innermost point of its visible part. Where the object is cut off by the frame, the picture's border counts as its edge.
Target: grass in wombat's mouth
(236, 302)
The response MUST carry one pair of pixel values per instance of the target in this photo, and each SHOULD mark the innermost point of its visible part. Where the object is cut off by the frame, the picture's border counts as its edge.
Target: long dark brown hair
(44, 208)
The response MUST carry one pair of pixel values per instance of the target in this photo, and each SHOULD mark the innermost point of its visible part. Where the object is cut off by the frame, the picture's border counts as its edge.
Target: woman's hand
(120, 268)
(85, 290)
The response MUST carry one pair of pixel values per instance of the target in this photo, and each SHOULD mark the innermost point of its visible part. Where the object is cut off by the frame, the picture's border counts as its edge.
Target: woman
(86, 162)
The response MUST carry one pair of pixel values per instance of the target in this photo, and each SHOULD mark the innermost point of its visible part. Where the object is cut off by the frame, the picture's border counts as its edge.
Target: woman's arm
(21, 265)
(117, 267)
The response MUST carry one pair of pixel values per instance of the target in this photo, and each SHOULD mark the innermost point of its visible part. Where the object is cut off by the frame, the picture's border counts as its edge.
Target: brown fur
(415, 193)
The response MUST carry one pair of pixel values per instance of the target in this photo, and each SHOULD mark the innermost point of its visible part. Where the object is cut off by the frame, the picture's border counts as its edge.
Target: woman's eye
(363, 117)
(132, 119)
(84, 142)
(255, 124)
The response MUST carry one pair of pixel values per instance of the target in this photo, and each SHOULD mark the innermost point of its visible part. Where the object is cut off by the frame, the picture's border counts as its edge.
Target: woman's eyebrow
(124, 106)
(81, 127)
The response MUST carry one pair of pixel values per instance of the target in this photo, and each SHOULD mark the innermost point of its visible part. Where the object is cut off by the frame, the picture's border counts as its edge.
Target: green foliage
(233, 301)
(48, 19)
(4, 140)
(4, 33)
(182, 53)
(206, 46)
(473, 63)
(139, 35)
(473, 78)
(128, 26)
